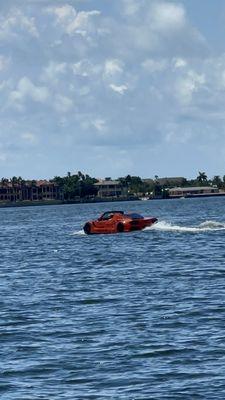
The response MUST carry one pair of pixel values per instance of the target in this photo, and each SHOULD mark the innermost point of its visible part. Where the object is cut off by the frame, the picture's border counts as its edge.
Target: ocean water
(136, 315)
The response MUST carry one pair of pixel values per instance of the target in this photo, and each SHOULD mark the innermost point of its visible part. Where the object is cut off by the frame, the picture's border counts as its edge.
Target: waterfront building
(192, 191)
(48, 191)
(110, 189)
(29, 191)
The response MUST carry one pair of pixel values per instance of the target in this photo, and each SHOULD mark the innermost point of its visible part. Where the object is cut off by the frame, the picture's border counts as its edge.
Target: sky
(112, 87)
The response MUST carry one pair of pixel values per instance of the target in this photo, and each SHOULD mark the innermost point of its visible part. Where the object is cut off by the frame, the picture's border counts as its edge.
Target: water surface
(126, 316)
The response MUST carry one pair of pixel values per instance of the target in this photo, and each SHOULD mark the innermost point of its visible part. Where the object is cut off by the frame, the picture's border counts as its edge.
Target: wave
(203, 227)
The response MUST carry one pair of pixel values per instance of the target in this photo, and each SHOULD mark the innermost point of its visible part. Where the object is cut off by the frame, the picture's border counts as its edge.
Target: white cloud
(99, 124)
(118, 89)
(188, 85)
(113, 67)
(179, 63)
(15, 22)
(64, 12)
(74, 67)
(53, 71)
(27, 90)
(81, 22)
(71, 20)
(167, 16)
(85, 68)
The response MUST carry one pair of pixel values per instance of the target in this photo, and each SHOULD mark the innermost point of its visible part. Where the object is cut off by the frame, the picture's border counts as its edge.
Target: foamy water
(204, 226)
(79, 233)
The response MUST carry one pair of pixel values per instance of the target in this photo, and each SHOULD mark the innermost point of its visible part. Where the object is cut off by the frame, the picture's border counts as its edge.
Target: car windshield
(135, 216)
(108, 215)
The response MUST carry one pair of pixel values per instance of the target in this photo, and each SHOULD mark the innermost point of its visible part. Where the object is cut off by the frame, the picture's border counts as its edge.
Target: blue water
(126, 316)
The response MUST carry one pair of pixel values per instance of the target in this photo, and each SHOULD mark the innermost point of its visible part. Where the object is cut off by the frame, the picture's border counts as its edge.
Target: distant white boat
(143, 198)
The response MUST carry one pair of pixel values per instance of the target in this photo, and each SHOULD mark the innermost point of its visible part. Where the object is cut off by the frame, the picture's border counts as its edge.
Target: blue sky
(112, 87)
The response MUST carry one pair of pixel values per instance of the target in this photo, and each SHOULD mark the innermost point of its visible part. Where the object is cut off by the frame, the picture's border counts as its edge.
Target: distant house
(10, 192)
(29, 191)
(110, 188)
(48, 190)
(192, 191)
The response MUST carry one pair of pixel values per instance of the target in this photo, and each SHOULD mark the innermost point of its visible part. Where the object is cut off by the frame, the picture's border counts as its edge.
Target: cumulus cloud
(15, 22)
(53, 71)
(28, 90)
(99, 124)
(85, 68)
(167, 16)
(179, 63)
(188, 85)
(159, 27)
(134, 76)
(113, 67)
(118, 89)
(73, 21)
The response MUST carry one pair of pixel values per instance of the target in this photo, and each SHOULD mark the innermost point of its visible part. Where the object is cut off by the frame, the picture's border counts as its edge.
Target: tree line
(82, 185)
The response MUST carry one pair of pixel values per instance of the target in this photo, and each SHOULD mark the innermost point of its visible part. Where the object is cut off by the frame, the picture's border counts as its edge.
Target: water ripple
(126, 316)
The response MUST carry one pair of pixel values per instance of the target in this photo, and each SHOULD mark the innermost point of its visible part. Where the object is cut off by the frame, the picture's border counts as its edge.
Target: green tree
(202, 177)
(157, 187)
(77, 185)
(217, 181)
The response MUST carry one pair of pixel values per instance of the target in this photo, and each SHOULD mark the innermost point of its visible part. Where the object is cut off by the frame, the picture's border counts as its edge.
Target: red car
(118, 221)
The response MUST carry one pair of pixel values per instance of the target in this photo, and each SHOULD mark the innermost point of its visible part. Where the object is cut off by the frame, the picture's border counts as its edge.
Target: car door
(105, 223)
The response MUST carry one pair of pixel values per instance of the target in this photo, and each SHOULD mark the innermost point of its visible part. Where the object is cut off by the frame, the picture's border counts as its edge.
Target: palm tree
(21, 181)
(4, 181)
(217, 181)
(14, 180)
(202, 177)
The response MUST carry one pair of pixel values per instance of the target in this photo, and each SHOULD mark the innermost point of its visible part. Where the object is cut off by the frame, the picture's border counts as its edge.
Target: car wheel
(87, 228)
(120, 227)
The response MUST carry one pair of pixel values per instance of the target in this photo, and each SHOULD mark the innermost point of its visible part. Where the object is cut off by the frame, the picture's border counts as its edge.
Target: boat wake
(79, 233)
(168, 227)
(203, 227)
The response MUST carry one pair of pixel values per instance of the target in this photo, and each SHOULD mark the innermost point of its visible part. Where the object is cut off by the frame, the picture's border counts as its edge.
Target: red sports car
(118, 221)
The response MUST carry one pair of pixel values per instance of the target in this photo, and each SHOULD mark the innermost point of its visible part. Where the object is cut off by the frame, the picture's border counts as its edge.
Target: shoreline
(99, 200)
(61, 202)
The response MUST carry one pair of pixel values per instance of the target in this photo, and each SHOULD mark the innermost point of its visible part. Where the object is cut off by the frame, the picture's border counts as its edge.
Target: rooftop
(192, 188)
(106, 183)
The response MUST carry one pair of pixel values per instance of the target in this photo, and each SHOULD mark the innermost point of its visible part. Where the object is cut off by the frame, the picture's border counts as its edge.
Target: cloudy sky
(112, 87)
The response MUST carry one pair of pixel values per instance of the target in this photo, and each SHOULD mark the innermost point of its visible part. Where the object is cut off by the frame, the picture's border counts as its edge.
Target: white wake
(203, 227)
(79, 233)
